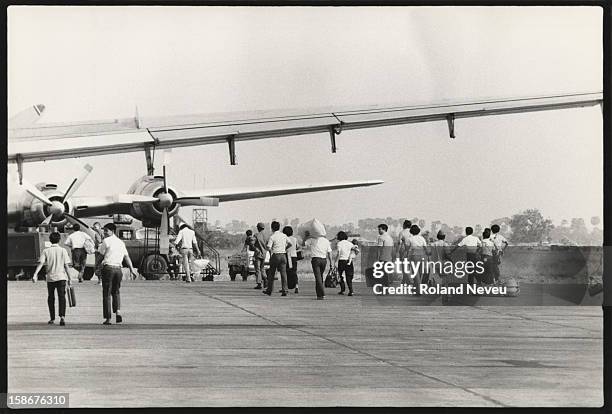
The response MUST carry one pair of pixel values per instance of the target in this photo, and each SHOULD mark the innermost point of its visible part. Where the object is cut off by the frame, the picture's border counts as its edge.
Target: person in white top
(472, 245)
(278, 243)
(417, 252)
(76, 242)
(292, 259)
(115, 254)
(188, 242)
(320, 253)
(346, 250)
(488, 250)
(56, 261)
(404, 239)
(500, 243)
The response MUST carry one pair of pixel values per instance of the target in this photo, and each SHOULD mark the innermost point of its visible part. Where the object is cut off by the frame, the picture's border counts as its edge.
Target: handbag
(71, 296)
(331, 280)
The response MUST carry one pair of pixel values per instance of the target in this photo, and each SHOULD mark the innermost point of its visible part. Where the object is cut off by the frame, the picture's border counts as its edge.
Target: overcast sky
(100, 62)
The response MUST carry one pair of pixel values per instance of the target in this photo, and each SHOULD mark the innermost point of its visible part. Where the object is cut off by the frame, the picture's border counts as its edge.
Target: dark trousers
(260, 271)
(494, 268)
(292, 272)
(60, 285)
(472, 276)
(487, 275)
(111, 283)
(348, 269)
(318, 268)
(98, 268)
(278, 261)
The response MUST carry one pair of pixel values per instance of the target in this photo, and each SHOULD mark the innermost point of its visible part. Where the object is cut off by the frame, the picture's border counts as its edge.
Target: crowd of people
(283, 248)
(412, 246)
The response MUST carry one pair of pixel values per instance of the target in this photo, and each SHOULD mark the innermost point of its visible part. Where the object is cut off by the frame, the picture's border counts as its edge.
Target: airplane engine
(35, 212)
(153, 187)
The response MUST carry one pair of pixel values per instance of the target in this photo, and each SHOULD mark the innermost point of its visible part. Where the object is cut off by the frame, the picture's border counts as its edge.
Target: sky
(92, 62)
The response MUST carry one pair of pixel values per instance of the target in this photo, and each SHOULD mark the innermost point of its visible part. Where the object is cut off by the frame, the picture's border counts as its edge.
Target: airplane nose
(165, 200)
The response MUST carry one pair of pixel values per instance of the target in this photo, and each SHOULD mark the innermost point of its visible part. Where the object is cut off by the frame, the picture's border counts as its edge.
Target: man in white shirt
(500, 244)
(76, 242)
(320, 253)
(56, 260)
(472, 244)
(278, 243)
(385, 249)
(115, 253)
(187, 241)
(345, 251)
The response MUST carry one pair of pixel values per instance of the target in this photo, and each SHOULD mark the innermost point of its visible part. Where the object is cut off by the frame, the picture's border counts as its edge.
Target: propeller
(83, 227)
(36, 193)
(57, 209)
(165, 201)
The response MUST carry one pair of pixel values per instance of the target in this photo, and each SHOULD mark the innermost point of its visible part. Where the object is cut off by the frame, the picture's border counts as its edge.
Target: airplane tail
(27, 116)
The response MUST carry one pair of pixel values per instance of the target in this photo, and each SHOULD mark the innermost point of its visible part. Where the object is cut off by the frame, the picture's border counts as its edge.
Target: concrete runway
(225, 344)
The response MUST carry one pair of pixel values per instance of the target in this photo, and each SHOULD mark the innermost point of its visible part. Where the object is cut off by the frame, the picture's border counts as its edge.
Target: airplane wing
(235, 194)
(41, 142)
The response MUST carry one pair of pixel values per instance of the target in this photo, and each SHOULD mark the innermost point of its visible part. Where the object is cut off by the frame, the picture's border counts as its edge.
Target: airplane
(30, 141)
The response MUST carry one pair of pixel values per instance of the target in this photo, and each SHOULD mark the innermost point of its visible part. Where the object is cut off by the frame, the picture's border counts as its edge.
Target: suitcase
(71, 296)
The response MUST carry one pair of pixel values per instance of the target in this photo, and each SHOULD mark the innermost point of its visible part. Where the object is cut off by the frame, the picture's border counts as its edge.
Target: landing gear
(155, 267)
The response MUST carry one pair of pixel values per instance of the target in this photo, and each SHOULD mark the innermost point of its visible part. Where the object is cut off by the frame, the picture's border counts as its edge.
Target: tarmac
(225, 344)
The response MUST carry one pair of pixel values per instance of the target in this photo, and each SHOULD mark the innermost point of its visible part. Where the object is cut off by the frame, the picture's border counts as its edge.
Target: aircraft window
(125, 234)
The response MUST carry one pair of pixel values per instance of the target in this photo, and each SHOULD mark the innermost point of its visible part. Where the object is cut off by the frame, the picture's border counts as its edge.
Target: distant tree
(529, 226)
(435, 225)
(578, 231)
(595, 220)
(478, 230)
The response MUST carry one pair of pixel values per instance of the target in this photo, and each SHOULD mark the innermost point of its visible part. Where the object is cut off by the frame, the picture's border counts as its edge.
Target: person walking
(487, 252)
(76, 242)
(186, 239)
(404, 246)
(320, 253)
(115, 254)
(292, 256)
(56, 260)
(98, 237)
(472, 245)
(278, 243)
(500, 245)
(385, 249)
(259, 258)
(417, 252)
(346, 251)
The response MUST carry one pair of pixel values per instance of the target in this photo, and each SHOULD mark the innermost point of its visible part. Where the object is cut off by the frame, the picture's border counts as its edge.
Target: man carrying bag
(56, 260)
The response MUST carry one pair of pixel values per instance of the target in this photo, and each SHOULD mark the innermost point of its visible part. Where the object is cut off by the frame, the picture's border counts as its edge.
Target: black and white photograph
(304, 206)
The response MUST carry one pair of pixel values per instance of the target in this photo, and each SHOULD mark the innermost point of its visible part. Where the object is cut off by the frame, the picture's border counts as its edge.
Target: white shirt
(344, 249)
(77, 240)
(471, 242)
(292, 251)
(113, 250)
(499, 241)
(188, 238)
(54, 258)
(319, 247)
(487, 247)
(405, 236)
(277, 243)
